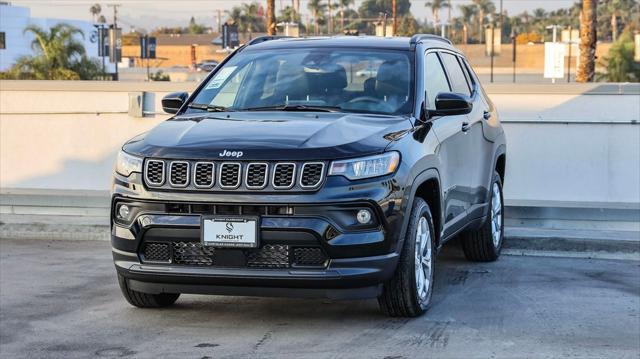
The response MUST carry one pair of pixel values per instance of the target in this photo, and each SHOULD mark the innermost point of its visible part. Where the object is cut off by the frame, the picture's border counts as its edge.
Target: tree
(484, 8)
(435, 6)
(271, 17)
(58, 56)
(344, 5)
(408, 26)
(619, 63)
(468, 12)
(588, 38)
(95, 11)
(247, 18)
(317, 8)
(195, 28)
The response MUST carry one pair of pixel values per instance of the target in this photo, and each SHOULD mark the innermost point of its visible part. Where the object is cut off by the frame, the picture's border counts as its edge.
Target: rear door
(452, 151)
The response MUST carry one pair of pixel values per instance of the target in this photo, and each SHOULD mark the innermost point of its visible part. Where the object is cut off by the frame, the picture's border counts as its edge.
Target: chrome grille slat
(284, 175)
(154, 172)
(256, 175)
(230, 175)
(179, 174)
(204, 174)
(312, 174)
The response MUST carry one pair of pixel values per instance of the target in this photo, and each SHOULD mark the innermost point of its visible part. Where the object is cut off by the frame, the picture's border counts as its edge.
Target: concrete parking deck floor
(59, 299)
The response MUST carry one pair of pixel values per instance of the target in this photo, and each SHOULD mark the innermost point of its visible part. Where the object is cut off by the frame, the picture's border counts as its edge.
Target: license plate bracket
(230, 231)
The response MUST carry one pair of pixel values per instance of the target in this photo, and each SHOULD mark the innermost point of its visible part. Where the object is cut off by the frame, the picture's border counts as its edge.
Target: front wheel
(484, 244)
(145, 300)
(408, 293)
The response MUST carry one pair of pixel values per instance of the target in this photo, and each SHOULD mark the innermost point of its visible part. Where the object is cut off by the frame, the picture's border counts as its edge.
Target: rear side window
(435, 78)
(456, 76)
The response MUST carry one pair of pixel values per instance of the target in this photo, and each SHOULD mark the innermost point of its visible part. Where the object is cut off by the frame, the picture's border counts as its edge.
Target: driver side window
(435, 79)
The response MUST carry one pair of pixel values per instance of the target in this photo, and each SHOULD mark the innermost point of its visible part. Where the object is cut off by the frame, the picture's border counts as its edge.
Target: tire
(400, 297)
(146, 300)
(481, 245)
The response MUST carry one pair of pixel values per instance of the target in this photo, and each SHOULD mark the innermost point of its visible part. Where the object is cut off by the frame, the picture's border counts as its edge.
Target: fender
(409, 195)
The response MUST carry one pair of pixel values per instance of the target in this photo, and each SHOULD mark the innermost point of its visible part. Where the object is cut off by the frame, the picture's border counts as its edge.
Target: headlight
(366, 167)
(126, 164)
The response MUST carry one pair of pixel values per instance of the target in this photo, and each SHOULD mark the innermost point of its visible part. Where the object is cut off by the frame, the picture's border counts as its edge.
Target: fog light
(364, 216)
(123, 211)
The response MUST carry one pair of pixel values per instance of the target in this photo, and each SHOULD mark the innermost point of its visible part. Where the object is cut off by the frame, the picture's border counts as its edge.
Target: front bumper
(358, 259)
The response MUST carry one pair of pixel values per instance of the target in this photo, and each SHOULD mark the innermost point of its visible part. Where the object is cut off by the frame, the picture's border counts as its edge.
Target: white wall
(571, 145)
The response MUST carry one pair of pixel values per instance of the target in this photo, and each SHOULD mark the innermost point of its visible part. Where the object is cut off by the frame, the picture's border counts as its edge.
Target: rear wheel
(484, 244)
(408, 293)
(146, 300)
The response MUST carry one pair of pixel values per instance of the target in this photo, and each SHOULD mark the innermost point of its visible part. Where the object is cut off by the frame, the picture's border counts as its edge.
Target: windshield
(322, 79)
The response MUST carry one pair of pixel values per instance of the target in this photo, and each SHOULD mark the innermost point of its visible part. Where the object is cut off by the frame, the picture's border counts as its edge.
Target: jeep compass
(318, 167)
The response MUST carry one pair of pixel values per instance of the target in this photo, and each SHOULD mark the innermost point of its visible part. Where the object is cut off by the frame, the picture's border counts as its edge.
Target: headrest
(392, 78)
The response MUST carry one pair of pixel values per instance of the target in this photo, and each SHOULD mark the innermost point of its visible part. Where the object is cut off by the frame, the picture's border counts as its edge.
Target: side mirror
(451, 103)
(172, 102)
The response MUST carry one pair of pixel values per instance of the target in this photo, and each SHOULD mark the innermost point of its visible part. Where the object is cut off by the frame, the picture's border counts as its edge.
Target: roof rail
(417, 37)
(261, 39)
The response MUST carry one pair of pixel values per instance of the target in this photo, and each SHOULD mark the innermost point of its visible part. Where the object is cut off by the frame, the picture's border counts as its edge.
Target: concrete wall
(569, 145)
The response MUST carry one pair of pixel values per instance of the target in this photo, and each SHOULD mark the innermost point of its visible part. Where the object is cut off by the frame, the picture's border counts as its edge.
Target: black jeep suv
(332, 167)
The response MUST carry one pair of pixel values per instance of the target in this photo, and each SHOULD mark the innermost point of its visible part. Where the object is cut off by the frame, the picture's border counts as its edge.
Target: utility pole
(219, 21)
(115, 28)
(330, 24)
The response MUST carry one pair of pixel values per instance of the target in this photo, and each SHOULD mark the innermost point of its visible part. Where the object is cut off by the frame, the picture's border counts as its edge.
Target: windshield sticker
(221, 77)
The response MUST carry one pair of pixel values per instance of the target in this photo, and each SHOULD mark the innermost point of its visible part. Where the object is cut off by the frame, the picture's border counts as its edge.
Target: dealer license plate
(230, 232)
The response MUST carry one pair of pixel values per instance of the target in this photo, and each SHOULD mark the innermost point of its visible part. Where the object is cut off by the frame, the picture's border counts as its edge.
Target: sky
(149, 14)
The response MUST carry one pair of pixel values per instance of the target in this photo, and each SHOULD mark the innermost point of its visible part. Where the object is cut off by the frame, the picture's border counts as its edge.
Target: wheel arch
(427, 186)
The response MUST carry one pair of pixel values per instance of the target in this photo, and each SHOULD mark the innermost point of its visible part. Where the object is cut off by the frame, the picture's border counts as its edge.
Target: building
(13, 21)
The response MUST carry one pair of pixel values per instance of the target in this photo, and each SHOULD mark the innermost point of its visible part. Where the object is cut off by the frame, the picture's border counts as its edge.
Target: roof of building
(186, 39)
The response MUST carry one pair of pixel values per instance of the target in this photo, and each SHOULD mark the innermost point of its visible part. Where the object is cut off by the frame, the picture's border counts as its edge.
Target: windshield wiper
(210, 108)
(296, 108)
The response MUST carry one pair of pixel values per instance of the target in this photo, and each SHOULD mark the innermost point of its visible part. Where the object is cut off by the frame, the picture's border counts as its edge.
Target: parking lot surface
(60, 299)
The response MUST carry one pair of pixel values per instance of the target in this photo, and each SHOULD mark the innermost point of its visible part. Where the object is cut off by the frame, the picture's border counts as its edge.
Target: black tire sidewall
(420, 209)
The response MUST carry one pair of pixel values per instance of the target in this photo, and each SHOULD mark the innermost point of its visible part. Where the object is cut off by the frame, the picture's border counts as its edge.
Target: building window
(2, 43)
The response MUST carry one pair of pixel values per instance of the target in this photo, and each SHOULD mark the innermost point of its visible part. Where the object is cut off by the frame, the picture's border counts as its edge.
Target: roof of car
(395, 43)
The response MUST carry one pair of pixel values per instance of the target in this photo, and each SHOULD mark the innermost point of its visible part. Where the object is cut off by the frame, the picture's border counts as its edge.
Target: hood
(269, 135)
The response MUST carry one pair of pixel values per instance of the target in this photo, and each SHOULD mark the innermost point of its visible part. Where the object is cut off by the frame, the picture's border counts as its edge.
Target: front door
(452, 151)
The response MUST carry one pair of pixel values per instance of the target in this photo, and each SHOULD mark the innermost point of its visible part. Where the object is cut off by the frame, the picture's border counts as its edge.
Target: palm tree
(250, 16)
(468, 12)
(95, 10)
(317, 8)
(588, 38)
(484, 7)
(344, 5)
(435, 6)
(57, 53)
(271, 17)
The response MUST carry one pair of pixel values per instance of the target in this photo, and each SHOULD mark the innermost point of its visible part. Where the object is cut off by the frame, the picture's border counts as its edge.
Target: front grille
(230, 175)
(309, 257)
(284, 175)
(256, 177)
(225, 176)
(204, 175)
(269, 256)
(192, 253)
(311, 174)
(154, 172)
(156, 252)
(179, 171)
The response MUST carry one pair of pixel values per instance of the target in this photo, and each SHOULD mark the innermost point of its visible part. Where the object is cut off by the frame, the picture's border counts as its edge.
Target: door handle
(465, 126)
(486, 115)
